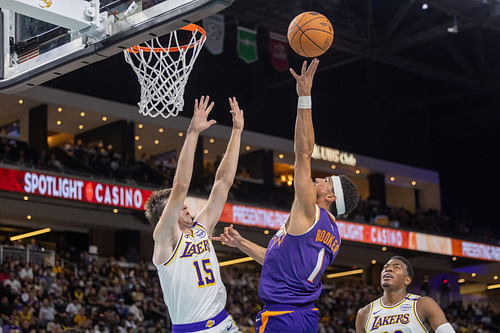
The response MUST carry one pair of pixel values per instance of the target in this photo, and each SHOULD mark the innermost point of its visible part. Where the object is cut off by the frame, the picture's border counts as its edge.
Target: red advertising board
(60, 187)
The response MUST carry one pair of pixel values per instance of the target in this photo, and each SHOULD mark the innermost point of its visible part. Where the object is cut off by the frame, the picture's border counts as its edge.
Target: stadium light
(235, 261)
(425, 6)
(493, 286)
(461, 280)
(29, 234)
(346, 273)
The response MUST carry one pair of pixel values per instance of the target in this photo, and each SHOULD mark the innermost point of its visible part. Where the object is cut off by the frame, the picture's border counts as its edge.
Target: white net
(163, 71)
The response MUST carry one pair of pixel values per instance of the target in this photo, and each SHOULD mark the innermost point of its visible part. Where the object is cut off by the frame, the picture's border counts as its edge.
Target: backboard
(43, 39)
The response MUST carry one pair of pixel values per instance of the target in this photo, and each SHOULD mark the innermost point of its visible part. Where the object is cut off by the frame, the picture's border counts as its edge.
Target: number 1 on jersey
(209, 278)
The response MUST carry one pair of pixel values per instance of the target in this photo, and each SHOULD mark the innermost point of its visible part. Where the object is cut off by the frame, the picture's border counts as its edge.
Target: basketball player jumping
(300, 251)
(183, 252)
(397, 310)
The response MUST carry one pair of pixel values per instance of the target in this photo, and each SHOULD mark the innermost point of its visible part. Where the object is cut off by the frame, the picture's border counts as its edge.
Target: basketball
(310, 34)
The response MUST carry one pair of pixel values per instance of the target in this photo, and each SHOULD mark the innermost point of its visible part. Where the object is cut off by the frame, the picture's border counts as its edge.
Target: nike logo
(258, 319)
(377, 311)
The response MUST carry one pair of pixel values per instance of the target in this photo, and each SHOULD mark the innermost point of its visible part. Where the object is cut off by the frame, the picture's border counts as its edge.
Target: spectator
(136, 310)
(80, 318)
(47, 312)
(73, 307)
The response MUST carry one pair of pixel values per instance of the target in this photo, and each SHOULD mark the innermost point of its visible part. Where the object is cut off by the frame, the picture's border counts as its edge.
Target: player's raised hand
(202, 109)
(305, 79)
(230, 237)
(237, 113)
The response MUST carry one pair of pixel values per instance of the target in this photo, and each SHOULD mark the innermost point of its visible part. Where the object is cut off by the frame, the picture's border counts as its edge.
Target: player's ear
(330, 198)
(407, 281)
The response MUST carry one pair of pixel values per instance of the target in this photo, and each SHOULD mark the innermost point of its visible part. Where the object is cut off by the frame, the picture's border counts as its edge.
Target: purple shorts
(303, 320)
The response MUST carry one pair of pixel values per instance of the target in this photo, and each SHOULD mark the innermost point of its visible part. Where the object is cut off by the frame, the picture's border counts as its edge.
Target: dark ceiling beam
(483, 90)
(491, 23)
(369, 21)
(407, 65)
(424, 22)
(458, 58)
(480, 48)
(397, 19)
(426, 70)
(431, 34)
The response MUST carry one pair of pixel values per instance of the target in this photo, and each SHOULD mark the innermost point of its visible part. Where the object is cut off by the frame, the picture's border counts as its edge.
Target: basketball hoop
(163, 71)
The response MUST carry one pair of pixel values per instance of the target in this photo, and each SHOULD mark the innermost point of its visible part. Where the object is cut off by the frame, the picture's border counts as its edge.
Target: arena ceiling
(402, 83)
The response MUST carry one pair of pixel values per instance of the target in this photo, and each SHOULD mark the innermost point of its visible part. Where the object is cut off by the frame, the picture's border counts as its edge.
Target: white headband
(339, 193)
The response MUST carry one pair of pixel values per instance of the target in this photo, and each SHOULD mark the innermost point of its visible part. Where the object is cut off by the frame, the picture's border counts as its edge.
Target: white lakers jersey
(190, 279)
(399, 318)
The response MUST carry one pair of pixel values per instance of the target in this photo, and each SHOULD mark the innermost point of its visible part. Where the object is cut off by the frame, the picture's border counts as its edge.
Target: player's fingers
(210, 107)
(196, 104)
(207, 100)
(314, 66)
(294, 74)
(216, 238)
(236, 103)
(304, 67)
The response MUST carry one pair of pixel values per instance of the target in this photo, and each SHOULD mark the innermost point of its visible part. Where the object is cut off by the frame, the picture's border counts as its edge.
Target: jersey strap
(201, 325)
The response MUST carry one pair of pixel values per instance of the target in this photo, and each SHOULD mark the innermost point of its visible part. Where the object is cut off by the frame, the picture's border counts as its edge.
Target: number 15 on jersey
(207, 273)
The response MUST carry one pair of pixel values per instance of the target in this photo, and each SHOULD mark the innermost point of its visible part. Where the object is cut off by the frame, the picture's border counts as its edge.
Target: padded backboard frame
(71, 51)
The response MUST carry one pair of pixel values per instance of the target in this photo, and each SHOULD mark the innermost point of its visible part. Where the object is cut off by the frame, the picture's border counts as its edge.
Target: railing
(26, 255)
(68, 266)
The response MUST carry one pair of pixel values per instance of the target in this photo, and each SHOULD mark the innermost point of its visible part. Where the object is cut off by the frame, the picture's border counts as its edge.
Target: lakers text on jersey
(399, 318)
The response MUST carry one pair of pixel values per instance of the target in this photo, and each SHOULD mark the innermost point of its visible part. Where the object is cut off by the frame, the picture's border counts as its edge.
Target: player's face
(323, 186)
(185, 218)
(394, 275)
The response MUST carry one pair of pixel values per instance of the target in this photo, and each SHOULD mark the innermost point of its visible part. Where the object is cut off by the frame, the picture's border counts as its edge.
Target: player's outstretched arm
(232, 238)
(303, 209)
(224, 177)
(430, 312)
(361, 319)
(182, 179)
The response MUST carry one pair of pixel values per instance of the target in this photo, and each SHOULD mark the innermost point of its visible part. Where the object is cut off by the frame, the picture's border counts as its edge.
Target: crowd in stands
(98, 160)
(94, 160)
(108, 295)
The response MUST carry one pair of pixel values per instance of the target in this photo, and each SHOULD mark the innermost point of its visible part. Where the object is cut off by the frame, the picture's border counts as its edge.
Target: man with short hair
(397, 310)
(183, 252)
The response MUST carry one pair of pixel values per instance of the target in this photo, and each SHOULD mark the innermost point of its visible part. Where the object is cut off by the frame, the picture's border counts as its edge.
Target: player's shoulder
(426, 301)
(426, 304)
(365, 310)
(363, 316)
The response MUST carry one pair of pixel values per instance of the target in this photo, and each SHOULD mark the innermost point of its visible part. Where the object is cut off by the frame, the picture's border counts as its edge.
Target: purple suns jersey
(293, 265)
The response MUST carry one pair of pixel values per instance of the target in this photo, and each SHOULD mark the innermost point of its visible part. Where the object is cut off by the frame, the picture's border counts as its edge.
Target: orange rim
(190, 27)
